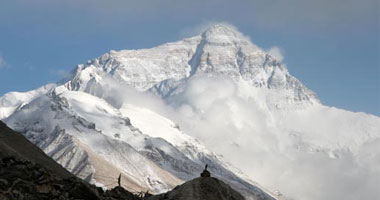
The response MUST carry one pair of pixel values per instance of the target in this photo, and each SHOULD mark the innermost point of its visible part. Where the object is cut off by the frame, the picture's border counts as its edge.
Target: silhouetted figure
(205, 172)
(119, 180)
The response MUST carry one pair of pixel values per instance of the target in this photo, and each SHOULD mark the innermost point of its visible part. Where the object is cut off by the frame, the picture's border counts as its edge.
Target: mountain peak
(221, 50)
(221, 29)
(223, 33)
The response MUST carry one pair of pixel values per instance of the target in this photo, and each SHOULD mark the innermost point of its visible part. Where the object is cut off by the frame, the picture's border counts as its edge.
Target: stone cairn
(205, 172)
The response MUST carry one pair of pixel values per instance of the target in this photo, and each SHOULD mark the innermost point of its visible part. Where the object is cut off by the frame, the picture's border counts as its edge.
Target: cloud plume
(277, 53)
(236, 124)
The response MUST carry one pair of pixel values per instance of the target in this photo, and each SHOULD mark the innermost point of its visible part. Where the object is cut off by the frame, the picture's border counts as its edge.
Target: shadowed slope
(16, 145)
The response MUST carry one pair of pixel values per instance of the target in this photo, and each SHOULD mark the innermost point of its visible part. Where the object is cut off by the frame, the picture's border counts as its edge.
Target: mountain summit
(219, 51)
(224, 34)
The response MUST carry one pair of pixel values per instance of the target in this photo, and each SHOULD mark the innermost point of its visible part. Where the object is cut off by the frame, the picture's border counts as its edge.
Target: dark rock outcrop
(24, 180)
(21, 179)
(205, 173)
(27, 173)
(16, 145)
(202, 188)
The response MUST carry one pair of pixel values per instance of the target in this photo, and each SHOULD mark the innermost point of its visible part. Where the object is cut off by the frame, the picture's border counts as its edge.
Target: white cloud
(221, 115)
(277, 53)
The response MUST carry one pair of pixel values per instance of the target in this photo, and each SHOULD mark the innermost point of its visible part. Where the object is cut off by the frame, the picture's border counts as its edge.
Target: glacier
(158, 115)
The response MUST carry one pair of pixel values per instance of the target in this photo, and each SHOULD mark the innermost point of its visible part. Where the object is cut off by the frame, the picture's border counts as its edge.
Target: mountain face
(142, 113)
(219, 51)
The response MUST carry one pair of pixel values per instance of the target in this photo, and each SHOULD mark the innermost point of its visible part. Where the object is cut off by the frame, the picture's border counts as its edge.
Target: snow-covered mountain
(96, 141)
(219, 51)
(142, 113)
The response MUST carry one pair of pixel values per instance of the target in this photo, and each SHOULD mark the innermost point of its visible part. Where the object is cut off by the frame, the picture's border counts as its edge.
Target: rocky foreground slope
(13, 144)
(43, 179)
(27, 173)
(202, 188)
(25, 180)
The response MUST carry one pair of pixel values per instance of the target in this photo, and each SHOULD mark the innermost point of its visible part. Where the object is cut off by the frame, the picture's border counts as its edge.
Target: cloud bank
(223, 116)
(233, 122)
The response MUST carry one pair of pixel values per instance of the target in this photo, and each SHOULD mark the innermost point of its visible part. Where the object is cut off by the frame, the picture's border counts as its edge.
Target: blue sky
(332, 46)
